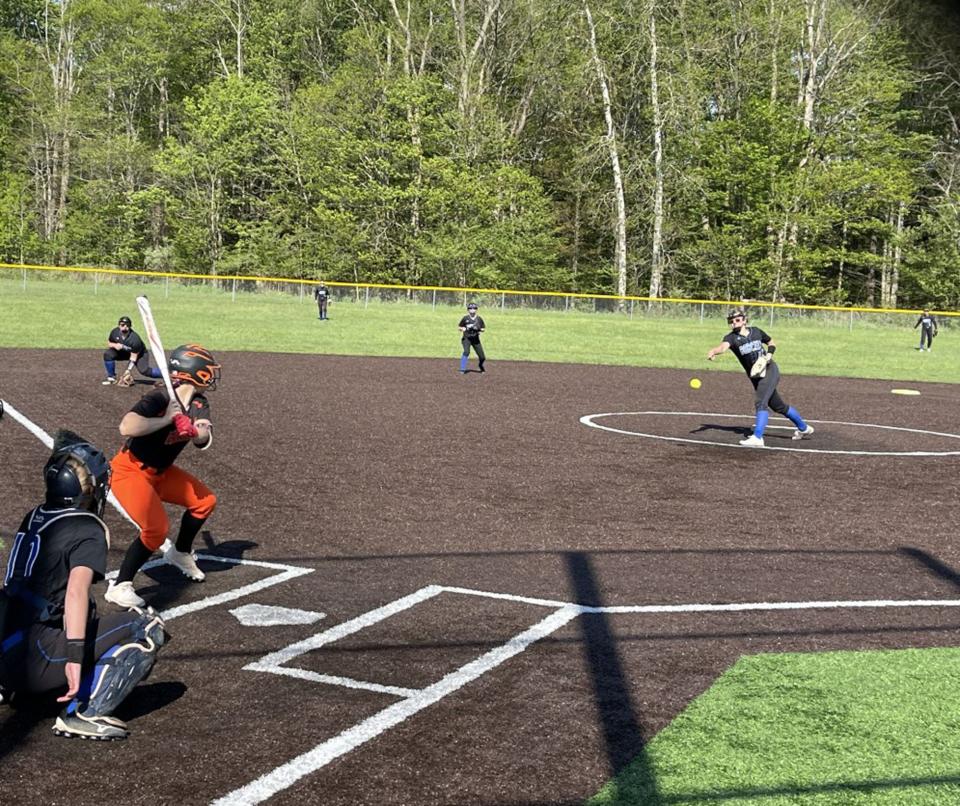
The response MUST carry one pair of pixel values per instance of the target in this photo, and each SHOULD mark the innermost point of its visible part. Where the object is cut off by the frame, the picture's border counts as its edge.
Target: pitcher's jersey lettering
(747, 348)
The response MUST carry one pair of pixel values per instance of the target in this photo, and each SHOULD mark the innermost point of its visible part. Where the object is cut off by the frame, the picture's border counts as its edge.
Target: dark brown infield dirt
(383, 476)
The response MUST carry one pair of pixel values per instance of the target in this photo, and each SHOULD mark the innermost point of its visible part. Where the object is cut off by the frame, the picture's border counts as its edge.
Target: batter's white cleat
(798, 434)
(123, 595)
(185, 562)
(753, 441)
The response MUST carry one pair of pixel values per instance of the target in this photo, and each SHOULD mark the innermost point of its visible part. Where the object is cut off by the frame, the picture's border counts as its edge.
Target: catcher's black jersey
(131, 341)
(473, 325)
(747, 348)
(48, 545)
(159, 450)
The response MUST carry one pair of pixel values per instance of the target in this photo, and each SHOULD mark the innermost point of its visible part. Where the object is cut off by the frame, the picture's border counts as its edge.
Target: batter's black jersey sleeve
(747, 348)
(159, 450)
(68, 539)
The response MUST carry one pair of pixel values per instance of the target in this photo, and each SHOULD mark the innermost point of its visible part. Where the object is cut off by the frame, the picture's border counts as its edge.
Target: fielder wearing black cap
(124, 344)
(471, 326)
(754, 349)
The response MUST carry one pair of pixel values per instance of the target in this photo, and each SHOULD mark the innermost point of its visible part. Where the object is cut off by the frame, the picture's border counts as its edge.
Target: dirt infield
(355, 483)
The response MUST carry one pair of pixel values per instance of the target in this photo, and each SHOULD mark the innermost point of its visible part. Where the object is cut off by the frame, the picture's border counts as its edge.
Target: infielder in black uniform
(928, 330)
(748, 344)
(53, 638)
(471, 326)
(124, 344)
(322, 296)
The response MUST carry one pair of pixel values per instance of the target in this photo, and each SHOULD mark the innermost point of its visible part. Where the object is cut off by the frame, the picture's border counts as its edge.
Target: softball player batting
(144, 475)
(748, 344)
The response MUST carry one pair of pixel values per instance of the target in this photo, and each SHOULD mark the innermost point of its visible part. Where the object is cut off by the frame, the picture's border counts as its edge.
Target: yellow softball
(694, 383)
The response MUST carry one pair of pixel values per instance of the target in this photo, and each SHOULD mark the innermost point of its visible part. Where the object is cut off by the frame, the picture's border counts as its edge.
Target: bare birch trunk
(656, 247)
(620, 225)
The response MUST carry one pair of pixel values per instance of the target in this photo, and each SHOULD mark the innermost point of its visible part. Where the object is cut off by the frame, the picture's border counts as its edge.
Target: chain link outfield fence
(90, 280)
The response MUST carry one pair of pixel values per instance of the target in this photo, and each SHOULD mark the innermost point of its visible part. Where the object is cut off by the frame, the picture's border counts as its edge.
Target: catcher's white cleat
(798, 434)
(753, 441)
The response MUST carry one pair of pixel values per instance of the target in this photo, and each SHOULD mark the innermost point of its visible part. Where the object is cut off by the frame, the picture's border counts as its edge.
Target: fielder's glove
(126, 379)
(759, 368)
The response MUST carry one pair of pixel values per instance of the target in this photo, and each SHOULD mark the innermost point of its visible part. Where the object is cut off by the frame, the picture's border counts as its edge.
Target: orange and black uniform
(144, 477)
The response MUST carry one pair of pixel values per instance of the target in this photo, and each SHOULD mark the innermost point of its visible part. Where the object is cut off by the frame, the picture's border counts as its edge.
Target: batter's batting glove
(184, 427)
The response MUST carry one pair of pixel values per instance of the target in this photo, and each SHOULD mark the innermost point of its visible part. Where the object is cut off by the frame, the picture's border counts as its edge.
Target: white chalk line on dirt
(287, 572)
(287, 774)
(588, 420)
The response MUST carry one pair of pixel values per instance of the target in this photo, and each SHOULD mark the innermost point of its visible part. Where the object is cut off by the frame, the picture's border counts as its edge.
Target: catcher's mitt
(759, 368)
(126, 379)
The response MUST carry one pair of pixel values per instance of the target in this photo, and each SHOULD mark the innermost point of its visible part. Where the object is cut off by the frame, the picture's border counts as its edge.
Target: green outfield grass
(837, 728)
(53, 313)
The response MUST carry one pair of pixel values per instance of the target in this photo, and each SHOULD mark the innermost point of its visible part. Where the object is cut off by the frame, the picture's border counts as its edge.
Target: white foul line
(287, 774)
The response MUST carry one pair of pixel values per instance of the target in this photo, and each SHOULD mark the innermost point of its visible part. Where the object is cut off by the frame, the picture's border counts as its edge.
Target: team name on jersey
(748, 347)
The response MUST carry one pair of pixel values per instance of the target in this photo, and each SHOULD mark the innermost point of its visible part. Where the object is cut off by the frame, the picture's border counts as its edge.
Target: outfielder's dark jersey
(747, 348)
(131, 341)
(927, 322)
(159, 450)
(473, 325)
(49, 544)
(320, 293)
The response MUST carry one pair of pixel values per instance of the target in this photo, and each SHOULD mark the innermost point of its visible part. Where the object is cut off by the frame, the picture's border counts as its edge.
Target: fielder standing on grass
(471, 326)
(145, 477)
(748, 344)
(928, 330)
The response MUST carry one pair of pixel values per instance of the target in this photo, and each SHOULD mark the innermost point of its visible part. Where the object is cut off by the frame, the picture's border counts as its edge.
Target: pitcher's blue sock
(761, 425)
(794, 417)
(463, 362)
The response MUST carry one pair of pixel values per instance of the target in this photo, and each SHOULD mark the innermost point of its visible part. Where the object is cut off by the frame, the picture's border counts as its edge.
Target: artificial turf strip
(832, 728)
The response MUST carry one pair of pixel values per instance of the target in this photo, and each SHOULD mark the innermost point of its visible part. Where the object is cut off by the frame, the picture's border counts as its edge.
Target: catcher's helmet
(125, 320)
(77, 474)
(735, 312)
(191, 363)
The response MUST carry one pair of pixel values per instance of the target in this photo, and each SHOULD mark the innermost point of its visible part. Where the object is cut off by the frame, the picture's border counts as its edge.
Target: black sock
(133, 561)
(189, 528)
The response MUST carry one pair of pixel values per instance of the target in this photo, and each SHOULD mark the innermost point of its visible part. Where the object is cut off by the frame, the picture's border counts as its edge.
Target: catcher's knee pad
(122, 666)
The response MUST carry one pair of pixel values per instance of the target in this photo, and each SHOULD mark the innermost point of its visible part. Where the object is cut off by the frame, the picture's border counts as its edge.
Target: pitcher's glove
(126, 379)
(759, 368)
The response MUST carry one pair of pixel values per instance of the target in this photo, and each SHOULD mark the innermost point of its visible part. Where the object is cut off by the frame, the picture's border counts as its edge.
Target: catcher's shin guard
(120, 668)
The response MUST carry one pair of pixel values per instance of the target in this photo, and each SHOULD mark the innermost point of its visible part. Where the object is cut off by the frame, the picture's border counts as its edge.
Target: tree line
(785, 150)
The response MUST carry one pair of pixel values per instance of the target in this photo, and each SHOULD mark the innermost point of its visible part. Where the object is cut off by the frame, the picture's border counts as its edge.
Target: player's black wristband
(75, 650)
(772, 349)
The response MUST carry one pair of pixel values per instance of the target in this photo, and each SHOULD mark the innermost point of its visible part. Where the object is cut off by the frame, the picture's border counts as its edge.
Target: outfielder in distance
(928, 330)
(144, 474)
(55, 641)
(748, 344)
(471, 326)
(125, 344)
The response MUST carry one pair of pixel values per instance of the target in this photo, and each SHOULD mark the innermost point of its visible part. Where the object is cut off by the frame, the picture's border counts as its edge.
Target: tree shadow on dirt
(620, 723)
